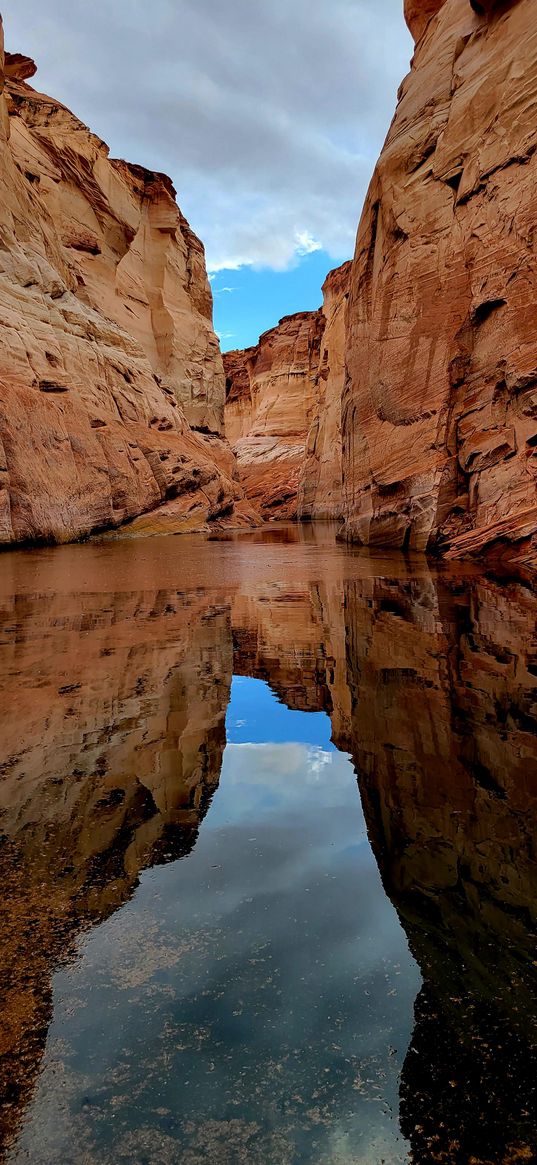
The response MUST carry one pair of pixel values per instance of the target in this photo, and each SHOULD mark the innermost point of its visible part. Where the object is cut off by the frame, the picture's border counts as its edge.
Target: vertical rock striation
(107, 350)
(320, 491)
(283, 410)
(440, 404)
(270, 406)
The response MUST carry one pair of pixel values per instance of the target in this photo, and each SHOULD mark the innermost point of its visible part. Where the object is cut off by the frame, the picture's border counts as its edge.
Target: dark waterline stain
(206, 922)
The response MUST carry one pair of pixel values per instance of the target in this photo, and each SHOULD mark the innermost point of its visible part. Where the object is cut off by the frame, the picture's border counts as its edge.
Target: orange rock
(440, 405)
(283, 410)
(238, 410)
(418, 14)
(19, 68)
(107, 349)
(270, 407)
(320, 490)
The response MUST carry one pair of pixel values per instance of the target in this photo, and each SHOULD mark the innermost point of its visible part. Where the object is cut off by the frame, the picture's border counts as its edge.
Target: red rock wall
(283, 410)
(320, 491)
(238, 412)
(440, 406)
(270, 407)
(107, 350)
(418, 13)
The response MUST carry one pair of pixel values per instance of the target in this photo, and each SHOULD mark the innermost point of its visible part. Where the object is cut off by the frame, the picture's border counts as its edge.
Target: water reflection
(229, 1015)
(112, 742)
(444, 737)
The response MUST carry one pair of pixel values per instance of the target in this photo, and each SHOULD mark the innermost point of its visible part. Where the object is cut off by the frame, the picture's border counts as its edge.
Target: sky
(267, 114)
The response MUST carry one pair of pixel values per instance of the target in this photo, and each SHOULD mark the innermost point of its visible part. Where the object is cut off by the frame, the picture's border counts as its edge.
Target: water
(268, 812)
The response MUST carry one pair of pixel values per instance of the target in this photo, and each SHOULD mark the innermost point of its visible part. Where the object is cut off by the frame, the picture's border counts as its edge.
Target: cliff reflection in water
(443, 684)
(112, 743)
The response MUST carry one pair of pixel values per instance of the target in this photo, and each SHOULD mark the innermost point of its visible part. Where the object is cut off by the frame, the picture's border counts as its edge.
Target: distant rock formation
(440, 404)
(107, 349)
(271, 400)
(283, 406)
(320, 492)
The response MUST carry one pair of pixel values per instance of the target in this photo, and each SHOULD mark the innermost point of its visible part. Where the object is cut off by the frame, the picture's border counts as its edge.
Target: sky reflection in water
(254, 1001)
(200, 959)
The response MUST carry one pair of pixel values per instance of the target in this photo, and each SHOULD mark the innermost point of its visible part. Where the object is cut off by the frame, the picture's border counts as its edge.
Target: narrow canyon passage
(267, 826)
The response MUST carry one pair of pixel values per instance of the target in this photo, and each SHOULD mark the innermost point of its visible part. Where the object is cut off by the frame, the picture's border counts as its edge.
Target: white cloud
(267, 114)
(305, 243)
(319, 760)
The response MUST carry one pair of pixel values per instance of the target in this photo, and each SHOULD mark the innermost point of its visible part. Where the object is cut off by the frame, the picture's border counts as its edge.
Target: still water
(268, 817)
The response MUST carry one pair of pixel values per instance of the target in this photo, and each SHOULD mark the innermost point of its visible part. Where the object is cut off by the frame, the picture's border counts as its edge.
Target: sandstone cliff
(440, 404)
(283, 409)
(107, 351)
(320, 490)
(271, 404)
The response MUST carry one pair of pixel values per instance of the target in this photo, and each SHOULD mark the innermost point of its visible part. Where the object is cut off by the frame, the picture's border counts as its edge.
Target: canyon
(111, 377)
(416, 417)
(439, 417)
(283, 409)
(404, 408)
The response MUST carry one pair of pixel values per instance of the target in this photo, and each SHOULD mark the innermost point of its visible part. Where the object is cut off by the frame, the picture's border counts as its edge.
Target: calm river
(268, 856)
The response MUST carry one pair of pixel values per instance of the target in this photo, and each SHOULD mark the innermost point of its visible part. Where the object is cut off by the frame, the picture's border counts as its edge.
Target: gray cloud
(268, 114)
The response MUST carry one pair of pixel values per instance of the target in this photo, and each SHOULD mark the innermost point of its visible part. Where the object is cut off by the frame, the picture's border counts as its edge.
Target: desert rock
(271, 405)
(108, 359)
(283, 409)
(440, 412)
(320, 492)
(418, 13)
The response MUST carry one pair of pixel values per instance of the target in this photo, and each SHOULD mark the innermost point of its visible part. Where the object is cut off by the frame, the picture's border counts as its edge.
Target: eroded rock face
(320, 492)
(440, 413)
(418, 13)
(283, 410)
(238, 412)
(270, 407)
(107, 351)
